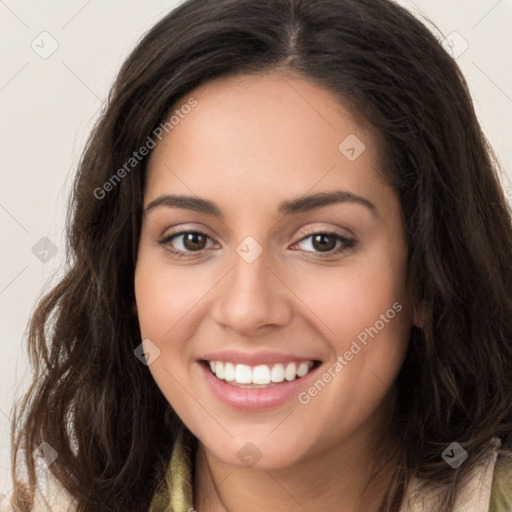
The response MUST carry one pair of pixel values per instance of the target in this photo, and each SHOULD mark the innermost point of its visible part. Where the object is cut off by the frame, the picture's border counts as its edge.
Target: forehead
(265, 137)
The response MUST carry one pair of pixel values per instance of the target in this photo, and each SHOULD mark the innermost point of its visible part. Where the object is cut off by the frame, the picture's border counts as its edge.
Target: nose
(252, 296)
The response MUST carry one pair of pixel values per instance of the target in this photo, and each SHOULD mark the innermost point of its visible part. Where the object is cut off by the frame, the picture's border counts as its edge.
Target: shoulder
(477, 494)
(501, 493)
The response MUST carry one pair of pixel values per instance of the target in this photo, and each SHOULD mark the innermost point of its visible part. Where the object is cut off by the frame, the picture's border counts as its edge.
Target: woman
(341, 338)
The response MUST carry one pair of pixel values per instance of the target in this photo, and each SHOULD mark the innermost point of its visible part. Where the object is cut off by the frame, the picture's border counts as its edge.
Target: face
(301, 301)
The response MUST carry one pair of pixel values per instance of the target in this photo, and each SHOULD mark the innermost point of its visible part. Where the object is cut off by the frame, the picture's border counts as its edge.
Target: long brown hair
(93, 401)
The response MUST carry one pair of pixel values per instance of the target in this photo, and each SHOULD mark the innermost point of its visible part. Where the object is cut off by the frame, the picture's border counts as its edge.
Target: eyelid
(332, 231)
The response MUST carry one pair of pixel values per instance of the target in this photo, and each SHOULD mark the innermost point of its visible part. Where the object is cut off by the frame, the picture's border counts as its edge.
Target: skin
(250, 143)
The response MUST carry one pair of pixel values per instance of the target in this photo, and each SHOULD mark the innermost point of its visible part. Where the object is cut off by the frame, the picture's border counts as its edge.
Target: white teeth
(229, 372)
(277, 373)
(261, 374)
(242, 373)
(291, 372)
(219, 370)
(302, 369)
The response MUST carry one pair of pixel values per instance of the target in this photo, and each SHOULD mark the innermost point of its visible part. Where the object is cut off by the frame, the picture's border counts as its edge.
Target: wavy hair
(99, 407)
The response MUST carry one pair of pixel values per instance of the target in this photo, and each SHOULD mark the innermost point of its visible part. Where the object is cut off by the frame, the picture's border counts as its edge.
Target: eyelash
(347, 243)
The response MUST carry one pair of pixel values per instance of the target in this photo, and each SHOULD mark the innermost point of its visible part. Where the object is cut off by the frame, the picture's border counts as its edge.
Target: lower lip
(255, 399)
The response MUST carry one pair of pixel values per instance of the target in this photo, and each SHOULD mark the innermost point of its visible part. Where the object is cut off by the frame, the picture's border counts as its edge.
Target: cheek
(364, 317)
(172, 301)
(163, 300)
(164, 295)
(352, 298)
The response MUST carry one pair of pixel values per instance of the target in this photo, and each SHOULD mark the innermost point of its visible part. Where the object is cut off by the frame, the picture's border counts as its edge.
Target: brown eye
(324, 244)
(194, 241)
(189, 242)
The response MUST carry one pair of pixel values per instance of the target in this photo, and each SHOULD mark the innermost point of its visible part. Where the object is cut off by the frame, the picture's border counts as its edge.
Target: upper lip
(255, 358)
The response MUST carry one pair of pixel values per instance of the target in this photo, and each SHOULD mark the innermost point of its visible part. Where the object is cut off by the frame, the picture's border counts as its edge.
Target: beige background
(47, 107)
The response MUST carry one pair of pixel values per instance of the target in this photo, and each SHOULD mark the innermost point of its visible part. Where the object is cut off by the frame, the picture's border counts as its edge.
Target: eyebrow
(290, 207)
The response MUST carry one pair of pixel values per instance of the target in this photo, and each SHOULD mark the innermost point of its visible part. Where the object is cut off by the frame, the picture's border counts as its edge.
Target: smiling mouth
(259, 376)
